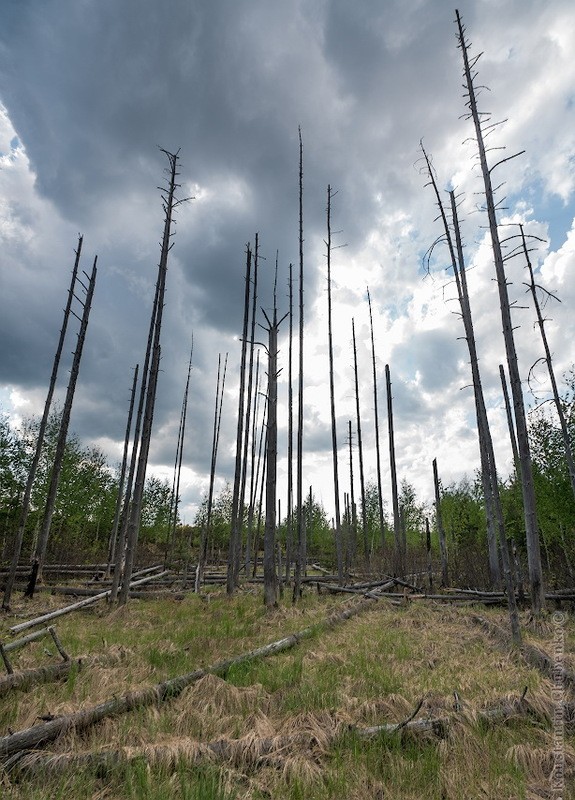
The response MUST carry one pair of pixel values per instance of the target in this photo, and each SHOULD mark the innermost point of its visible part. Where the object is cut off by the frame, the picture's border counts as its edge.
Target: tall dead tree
(113, 542)
(301, 532)
(399, 559)
(533, 288)
(360, 450)
(289, 519)
(175, 493)
(40, 552)
(352, 539)
(338, 537)
(270, 572)
(170, 203)
(235, 544)
(376, 423)
(17, 547)
(480, 121)
(203, 554)
(253, 479)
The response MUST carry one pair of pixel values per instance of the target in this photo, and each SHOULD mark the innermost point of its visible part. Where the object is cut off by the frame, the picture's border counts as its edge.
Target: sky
(91, 89)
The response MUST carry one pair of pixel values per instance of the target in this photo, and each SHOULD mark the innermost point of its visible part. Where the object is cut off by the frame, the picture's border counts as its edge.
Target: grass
(287, 723)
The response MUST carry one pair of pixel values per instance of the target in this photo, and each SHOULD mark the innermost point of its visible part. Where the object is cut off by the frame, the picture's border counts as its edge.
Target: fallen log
(47, 731)
(246, 751)
(75, 606)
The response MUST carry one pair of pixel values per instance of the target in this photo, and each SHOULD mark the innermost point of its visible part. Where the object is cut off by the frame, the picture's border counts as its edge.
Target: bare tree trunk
(429, 559)
(175, 497)
(531, 529)
(440, 528)
(253, 480)
(548, 360)
(301, 532)
(510, 423)
(352, 541)
(338, 547)
(40, 553)
(170, 204)
(17, 548)
(360, 451)
(202, 556)
(399, 561)
(112, 546)
(376, 420)
(270, 574)
(289, 519)
(236, 523)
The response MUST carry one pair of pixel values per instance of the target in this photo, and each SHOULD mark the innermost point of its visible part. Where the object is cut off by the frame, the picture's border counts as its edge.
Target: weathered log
(256, 751)
(47, 731)
(75, 606)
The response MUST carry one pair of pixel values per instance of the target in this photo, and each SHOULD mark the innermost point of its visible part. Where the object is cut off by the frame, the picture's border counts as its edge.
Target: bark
(510, 424)
(289, 520)
(529, 505)
(113, 544)
(399, 559)
(338, 542)
(352, 541)
(360, 451)
(17, 549)
(150, 382)
(376, 423)
(236, 521)
(153, 695)
(40, 553)
(301, 532)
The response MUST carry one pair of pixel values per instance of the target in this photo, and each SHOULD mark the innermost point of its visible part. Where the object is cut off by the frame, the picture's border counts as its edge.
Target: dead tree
(510, 423)
(338, 542)
(270, 573)
(170, 204)
(531, 529)
(399, 560)
(253, 482)
(289, 518)
(440, 528)
(376, 422)
(202, 556)
(533, 287)
(112, 546)
(17, 548)
(236, 522)
(40, 553)
(360, 450)
(175, 494)
(352, 539)
(301, 532)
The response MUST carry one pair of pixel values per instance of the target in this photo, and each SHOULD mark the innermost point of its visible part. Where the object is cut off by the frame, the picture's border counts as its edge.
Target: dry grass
(282, 727)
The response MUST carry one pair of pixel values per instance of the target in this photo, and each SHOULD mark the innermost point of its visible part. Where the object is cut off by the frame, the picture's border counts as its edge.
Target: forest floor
(296, 724)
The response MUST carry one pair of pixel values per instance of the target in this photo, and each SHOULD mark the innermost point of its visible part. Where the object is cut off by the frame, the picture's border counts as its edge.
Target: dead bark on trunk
(17, 547)
(40, 553)
(360, 451)
(399, 558)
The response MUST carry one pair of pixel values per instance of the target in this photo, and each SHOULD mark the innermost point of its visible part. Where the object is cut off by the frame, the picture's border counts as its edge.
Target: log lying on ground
(48, 731)
(82, 604)
(25, 679)
(249, 751)
(534, 656)
(374, 595)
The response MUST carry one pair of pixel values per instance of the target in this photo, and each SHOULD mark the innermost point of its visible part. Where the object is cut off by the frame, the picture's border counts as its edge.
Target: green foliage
(87, 491)
(463, 513)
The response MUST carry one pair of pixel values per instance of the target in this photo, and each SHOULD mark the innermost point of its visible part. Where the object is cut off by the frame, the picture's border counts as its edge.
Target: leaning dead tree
(175, 494)
(235, 543)
(170, 203)
(113, 542)
(41, 545)
(338, 536)
(220, 385)
(481, 122)
(17, 549)
(534, 288)
(376, 423)
(360, 449)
